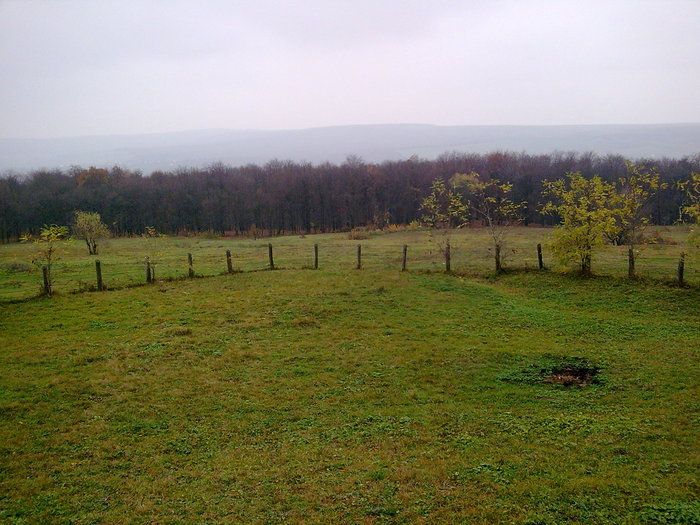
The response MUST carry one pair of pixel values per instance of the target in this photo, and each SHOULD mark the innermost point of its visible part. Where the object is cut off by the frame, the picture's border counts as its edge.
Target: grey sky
(103, 67)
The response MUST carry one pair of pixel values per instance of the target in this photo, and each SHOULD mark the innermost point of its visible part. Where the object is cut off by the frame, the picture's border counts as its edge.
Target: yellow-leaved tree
(89, 227)
(154, 248)
(587, 211)
(490, 201)
(47, 247)
(631, 205)
(690, 211)
(443, 207)
(634, 193)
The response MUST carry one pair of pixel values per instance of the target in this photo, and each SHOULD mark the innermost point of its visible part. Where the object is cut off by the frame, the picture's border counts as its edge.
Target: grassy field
(347, 396)
(341, 396)
(123, 259)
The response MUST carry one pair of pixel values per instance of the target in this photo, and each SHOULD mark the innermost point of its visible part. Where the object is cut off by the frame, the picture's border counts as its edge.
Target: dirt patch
(580, 373)
(558, 370)
(181, 331)
(569, 379)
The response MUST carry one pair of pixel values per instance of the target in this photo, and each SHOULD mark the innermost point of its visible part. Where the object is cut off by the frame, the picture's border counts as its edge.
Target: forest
(283, 197)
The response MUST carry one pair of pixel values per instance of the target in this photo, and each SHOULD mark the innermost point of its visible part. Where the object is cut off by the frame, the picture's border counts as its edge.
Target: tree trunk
(47, 280)
(448, 258)
(586, 266)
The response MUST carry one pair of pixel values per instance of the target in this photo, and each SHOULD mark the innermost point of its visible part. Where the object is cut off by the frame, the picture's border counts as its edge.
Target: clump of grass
(84, 286)
(671, 512)
(304, 321)
(16, 267)
(357, 234)
(657, 238)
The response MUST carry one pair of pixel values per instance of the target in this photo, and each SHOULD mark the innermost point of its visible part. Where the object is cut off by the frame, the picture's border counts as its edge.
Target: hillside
(374, 143)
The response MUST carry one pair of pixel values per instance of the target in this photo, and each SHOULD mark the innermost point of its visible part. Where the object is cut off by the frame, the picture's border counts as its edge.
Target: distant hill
(374, 143)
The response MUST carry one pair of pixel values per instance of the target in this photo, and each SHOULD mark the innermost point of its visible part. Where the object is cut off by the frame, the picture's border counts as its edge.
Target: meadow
(345, 396)
(122, 259)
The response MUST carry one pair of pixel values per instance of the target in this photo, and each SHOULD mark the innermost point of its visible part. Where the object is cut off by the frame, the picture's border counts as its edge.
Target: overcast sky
(105, 67)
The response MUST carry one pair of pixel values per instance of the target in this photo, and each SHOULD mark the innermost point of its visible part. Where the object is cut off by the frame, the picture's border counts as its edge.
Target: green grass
(123, 259)
(341, 396)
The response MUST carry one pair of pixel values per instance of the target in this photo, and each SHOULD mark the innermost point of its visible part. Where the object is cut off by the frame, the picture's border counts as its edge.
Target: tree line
(291, 197)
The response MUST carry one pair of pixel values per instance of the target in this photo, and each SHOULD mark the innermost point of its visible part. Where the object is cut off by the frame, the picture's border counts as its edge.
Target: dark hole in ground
(573, 375)
(566, 371)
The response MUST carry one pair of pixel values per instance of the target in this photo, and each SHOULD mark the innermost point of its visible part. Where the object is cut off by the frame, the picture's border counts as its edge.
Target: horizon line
(309, 128)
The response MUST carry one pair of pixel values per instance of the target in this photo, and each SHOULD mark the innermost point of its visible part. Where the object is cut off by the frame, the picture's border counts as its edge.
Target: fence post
(269, 254)
(98, 271)
(681, 268)
(190, 270)
(47, 282)
(359, 256)
(315, 256)
(229, 266)
(539, 256)
(630, 263)
(149, 277)
(448, 255)
(403, 264)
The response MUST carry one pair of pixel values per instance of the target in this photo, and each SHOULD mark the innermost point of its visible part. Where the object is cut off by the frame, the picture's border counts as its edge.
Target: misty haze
(349, 262)
(373, 143)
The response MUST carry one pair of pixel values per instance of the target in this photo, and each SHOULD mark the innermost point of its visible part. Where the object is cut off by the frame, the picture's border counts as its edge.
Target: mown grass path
(349, 397)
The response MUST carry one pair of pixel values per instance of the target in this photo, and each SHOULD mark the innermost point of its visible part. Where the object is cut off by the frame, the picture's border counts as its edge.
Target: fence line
(404, 261)
(242, 259)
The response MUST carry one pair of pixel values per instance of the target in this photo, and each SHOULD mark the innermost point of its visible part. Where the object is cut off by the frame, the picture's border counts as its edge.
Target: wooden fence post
(229, 266)
(403, 264)
(269, 254)
(681, 268)
(98, 271)
(359, 256)
(630, 263)
(539, 256)
(448, 258)
(315, 256)
(190, 270)
(149, 276)
(47, 281)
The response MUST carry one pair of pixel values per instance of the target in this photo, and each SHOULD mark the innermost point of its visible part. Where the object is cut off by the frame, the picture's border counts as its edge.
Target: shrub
(358, 233)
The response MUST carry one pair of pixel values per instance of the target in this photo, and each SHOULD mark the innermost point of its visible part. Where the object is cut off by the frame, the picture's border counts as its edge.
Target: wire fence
(127, 266)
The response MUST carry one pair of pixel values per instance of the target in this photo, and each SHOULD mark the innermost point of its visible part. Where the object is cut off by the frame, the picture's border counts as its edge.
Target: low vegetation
(342, 396)
(472, 253)
(355, 393)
